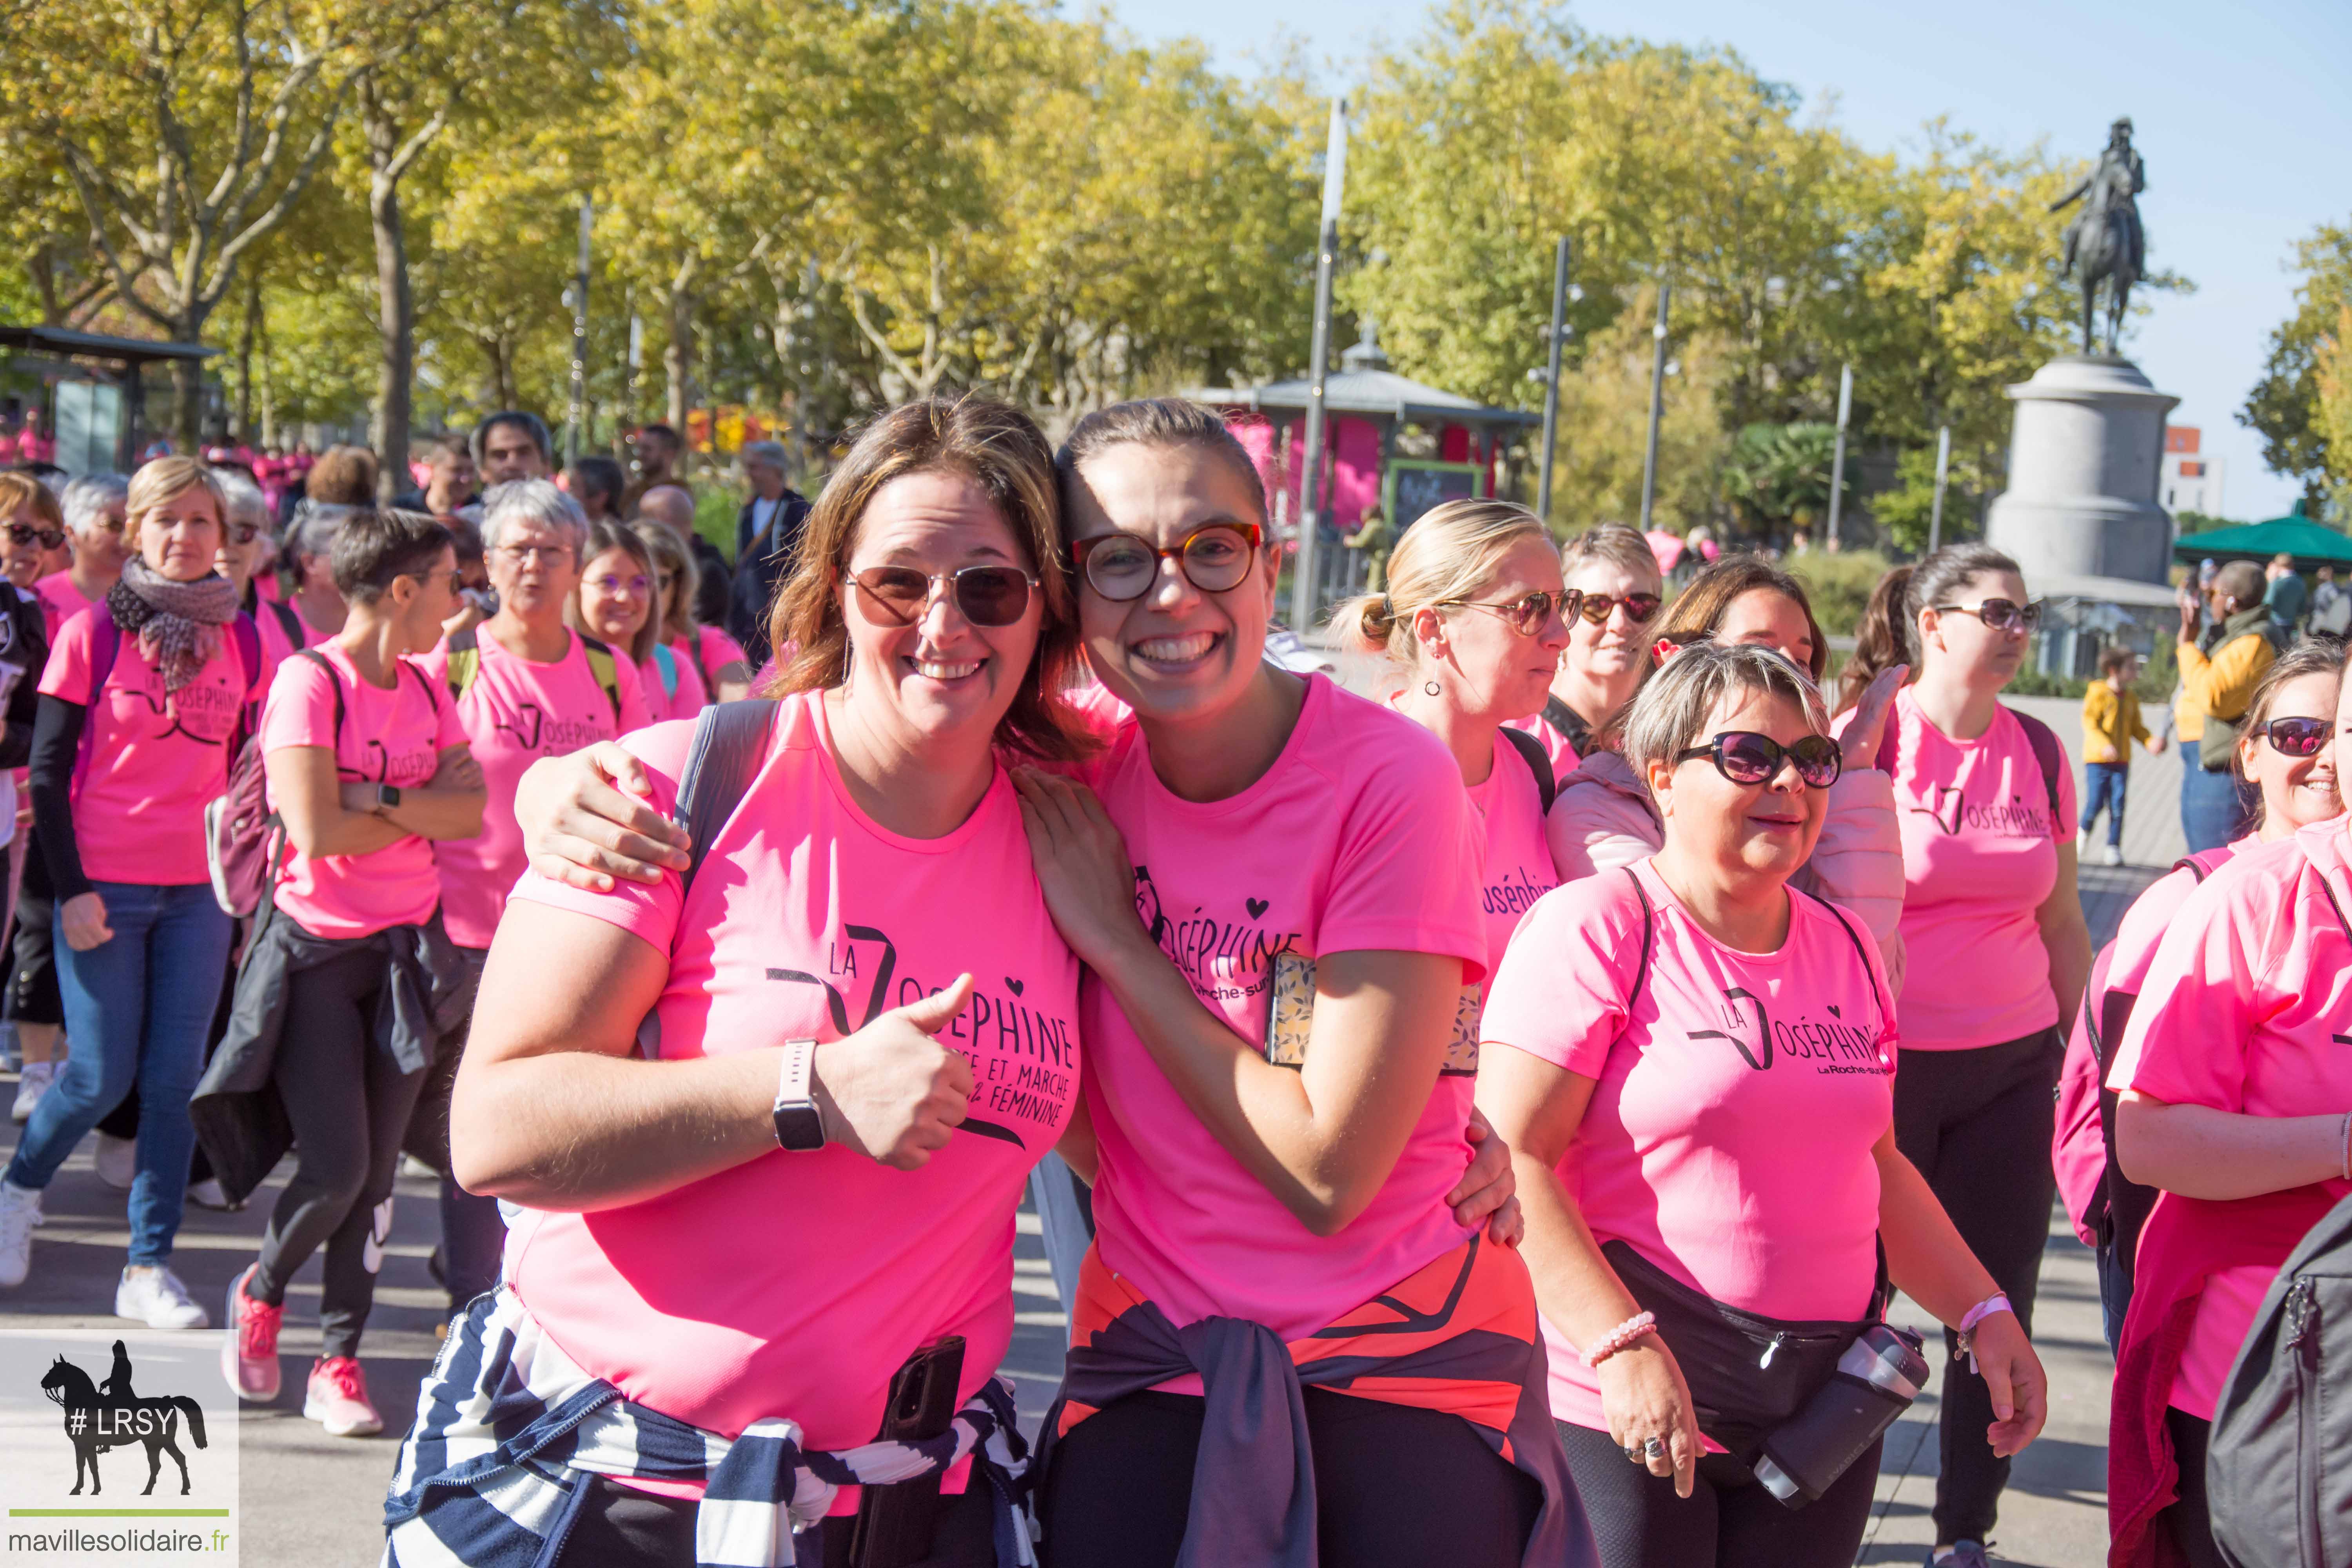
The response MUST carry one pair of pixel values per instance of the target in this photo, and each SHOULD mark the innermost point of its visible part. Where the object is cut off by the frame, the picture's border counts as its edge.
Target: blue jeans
(2104, 790)
(2214, 806)
(137, 1009)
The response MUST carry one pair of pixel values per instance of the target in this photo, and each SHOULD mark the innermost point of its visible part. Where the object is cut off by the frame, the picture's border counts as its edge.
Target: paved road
(316, 1501)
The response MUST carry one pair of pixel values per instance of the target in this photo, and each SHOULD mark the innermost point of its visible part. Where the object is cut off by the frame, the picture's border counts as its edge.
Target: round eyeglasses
(1214, 557)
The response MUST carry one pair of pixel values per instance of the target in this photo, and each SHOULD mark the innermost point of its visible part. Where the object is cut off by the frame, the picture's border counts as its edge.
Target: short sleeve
(635, 714)
(1562, 989)
(648, 913)
(2186, 1043)
(719, 650)
(66, 675)
(1411, 857)
(302, 708)
(2142, 929)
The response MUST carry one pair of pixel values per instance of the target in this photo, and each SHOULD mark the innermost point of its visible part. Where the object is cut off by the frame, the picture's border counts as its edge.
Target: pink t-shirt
(1735, 1103)
(795, 1285)
(59, 598)
(719, 650)
(2245, 1008)
(2150, 915)
(155, 761)
(1555, 744)
(274, 643)
(1980, 855)
(1359, 836)
(394, 737)
(515, 713)
(1518, 860)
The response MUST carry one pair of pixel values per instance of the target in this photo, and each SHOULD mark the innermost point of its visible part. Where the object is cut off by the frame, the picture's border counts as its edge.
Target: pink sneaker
(249, 1352)
(337, 1398)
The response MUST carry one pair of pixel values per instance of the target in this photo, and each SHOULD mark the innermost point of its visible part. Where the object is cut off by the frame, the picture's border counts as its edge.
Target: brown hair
(22, 491)
(1000, 449)
(2312, 656)
(1697, 612)
(1884, 638)
(372, 548)
(344, 475)
(605, 534)
(1444, 558)
(1159, 422)
(2114, 657)
(674, 612)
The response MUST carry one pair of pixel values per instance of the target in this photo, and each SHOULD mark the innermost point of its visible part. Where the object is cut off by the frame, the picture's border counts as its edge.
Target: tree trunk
(677, 357)
(245, 357)
(396, 327)
(188, 390)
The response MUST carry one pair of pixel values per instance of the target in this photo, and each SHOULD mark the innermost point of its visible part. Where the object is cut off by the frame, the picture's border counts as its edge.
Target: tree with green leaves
(2289, 406)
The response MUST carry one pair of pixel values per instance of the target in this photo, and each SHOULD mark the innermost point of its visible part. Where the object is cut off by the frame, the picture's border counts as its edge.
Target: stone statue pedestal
(2080, 514)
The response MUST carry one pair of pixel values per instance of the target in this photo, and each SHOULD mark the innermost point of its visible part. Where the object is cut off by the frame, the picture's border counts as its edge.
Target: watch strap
(800, 1126)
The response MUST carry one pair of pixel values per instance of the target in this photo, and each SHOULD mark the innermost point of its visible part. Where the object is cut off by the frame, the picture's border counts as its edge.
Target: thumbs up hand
(891, 1092)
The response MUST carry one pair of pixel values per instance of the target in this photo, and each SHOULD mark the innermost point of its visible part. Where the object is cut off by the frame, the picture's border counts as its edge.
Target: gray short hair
(768, 452)
(531, 501)
(85, 500)
(315, 527)
(246, 501)
(1674, 705)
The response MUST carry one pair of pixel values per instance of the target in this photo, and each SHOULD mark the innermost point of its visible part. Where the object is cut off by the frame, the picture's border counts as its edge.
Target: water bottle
(1876, 1382)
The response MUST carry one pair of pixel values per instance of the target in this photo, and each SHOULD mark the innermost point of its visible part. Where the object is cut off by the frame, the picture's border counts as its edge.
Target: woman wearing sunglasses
(31, 527)
(768, 1131)
(1690, 1059)
(95, 508)
(1617, 589)
(2235, 1100)
(1996, 946)
(1605, 816)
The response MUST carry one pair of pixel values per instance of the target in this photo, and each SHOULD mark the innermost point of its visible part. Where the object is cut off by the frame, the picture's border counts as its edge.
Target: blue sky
(2242, 111)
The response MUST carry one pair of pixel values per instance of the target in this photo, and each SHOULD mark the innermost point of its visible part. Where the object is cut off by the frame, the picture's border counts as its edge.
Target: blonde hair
(1615, 544)
(1444, 558)
(674, 614)
(167, 479)
(17, 491)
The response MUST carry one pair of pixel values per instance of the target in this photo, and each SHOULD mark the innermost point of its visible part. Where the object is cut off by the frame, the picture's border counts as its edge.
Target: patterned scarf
(178, 624)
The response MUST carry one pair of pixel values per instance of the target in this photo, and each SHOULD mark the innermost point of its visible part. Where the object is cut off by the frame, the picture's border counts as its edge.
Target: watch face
(387, 795)
(799, 1127)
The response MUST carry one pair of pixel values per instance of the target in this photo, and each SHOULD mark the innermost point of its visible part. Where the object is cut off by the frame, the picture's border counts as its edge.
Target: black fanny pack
(1749, 1374)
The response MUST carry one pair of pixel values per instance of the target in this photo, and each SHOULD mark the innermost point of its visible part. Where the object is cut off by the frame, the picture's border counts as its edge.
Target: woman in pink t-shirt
(1271, 885)
(2233, 1089)
(1473, 621)
(140, 701)
(1691, 1060)
(769, 1129)
(1614, 574)
(1996, 948)
(367, 765)
(613, 603)
(97, 531)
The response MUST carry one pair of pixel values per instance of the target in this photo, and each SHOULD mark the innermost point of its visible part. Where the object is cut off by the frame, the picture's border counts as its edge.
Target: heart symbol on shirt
(1257, 908)
(1833, 1011)
(1012, 985)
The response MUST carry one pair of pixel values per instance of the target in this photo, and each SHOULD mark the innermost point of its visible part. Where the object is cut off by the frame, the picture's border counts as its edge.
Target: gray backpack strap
(730, 742)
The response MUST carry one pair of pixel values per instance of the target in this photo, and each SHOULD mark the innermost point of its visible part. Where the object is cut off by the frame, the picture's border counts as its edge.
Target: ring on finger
(1633, 1452)
(1654, 1448)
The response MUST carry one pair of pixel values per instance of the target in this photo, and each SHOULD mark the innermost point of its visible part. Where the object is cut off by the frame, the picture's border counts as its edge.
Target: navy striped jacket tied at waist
(509, 1428)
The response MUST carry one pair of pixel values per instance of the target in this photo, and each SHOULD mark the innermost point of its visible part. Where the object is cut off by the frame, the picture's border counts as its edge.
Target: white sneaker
(19, 1210)
(2082, 842)
(2114, 857)
(151, 1294)
(117, 1161)
(31, 1084)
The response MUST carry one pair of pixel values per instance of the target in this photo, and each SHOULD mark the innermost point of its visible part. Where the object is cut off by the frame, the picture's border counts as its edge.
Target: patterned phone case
(1290, 1019)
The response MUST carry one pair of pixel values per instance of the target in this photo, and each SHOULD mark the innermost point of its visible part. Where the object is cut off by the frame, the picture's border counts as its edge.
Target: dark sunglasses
(2000, 615)
(984, 596)
(244, 534)
(1746, 758)
(49, 538)
(1639, 608)
(1527, 615)
(2298, 737)
(1123, 566)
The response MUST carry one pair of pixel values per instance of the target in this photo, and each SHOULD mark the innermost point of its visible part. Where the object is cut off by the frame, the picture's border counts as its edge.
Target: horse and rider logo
(99, 1416)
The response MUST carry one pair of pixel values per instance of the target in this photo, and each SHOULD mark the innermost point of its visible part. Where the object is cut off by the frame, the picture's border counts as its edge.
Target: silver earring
(1430, 687)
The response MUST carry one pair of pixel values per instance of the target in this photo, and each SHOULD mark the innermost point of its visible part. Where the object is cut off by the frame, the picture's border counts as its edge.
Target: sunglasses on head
(1746, 758)
(984, 596)
(2298, 737)
(1121, 567)
(1596, 608)
(49, 537)
(2000, 615)
(1528, 614)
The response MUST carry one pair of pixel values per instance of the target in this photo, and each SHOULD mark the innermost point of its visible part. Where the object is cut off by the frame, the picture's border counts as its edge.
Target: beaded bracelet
(1618, 1338)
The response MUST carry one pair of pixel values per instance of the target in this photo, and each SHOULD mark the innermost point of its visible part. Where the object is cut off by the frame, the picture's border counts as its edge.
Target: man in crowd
(451, 458)
(767, 539)
(2286, 596)
(673, 507)
(658, 449)
(513, 446)
(597, 485)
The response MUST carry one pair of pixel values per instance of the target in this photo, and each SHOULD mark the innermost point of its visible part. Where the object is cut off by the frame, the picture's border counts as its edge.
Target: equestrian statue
(2105, 239)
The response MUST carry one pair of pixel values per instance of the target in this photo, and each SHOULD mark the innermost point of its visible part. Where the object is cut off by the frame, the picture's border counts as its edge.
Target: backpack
(2040, 736)
(731, 743)
(2276, 1477)
(666, 663)
(1538, 763)
(466, 666)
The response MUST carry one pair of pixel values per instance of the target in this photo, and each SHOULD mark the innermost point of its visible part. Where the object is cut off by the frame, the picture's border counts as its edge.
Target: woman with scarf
(140, 702)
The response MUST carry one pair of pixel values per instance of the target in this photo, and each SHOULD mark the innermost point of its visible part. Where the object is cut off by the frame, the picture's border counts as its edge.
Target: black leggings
(2189, 1520)
(1395, 1487)
(349, 1103)
(1729, 1521)
(620, 1528)
(1978, 1124)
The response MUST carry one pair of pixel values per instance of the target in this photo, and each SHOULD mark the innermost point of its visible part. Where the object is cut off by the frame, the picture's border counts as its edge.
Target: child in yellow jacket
(2111, 723)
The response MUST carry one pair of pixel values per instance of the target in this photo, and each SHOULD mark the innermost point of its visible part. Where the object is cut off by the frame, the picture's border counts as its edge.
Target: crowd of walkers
(1497, 1114)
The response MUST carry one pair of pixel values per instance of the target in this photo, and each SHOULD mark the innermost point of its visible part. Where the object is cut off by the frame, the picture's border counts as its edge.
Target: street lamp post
(1657, 406)
(1310, 496)
(1943, 471)
(579, 419)
(1551, 377)
(1837, 457)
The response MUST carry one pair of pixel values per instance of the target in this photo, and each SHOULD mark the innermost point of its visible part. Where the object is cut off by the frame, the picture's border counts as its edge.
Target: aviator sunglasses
(1528, 614)
(1639, 608)
(1746, 758)
(1999, 615)
(984, 596)
(2298, 737)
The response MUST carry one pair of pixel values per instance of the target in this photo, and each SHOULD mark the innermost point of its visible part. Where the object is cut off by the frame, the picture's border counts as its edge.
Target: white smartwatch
(800, 1126)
